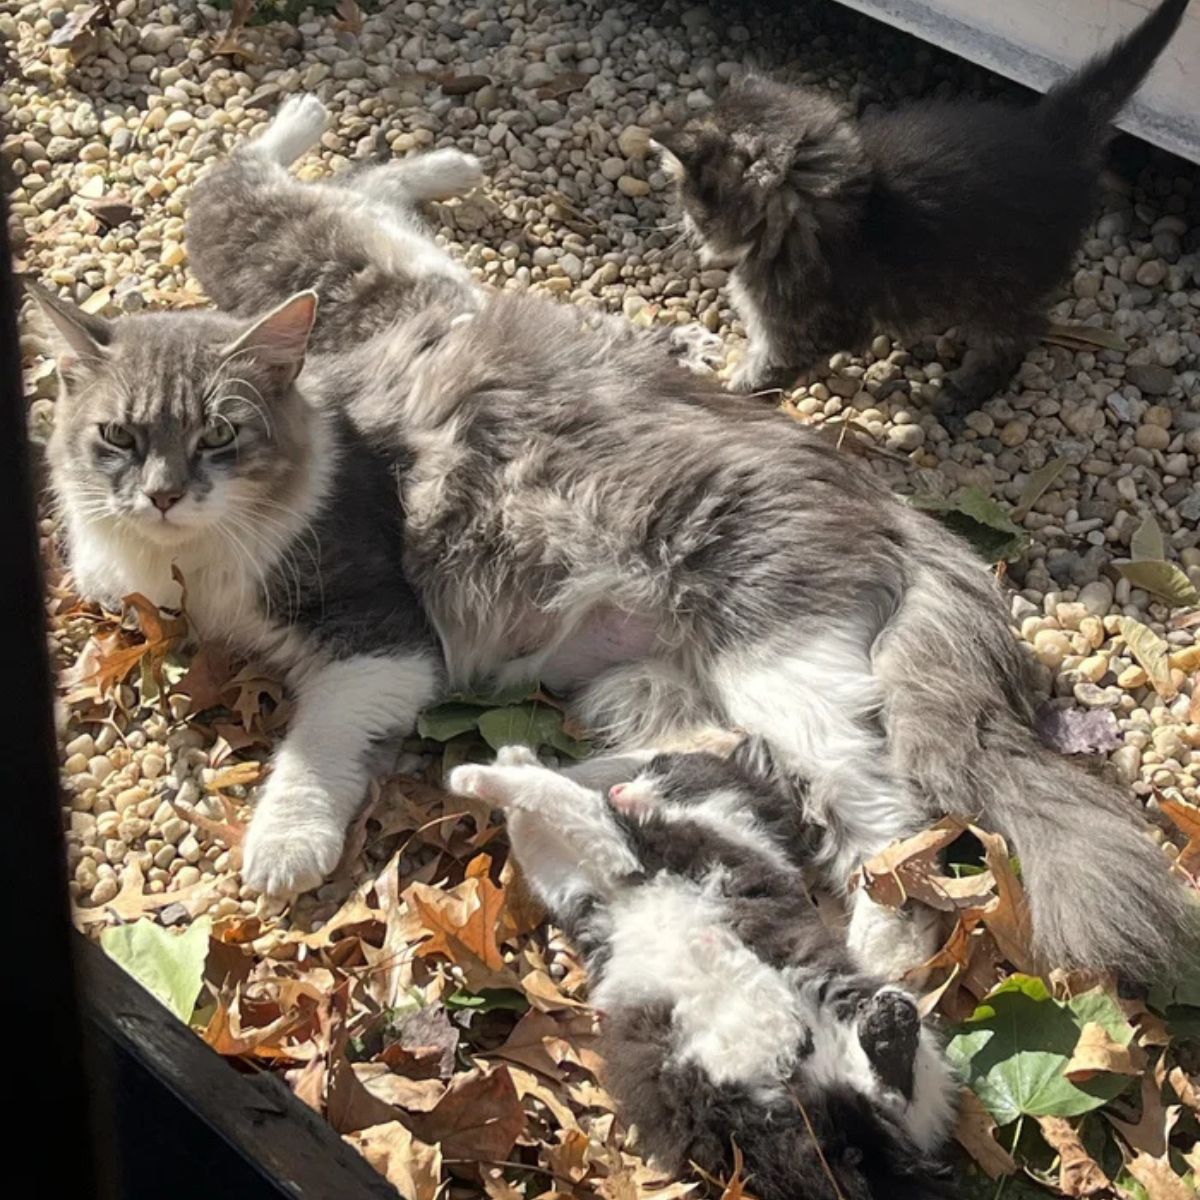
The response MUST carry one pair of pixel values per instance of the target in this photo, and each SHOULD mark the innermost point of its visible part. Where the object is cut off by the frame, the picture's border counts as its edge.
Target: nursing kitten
(730, 1015)
(941, 213)
(189, 442)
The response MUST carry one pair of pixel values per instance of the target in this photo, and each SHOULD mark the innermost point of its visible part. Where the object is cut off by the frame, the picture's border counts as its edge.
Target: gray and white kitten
(730, 1015)
(189, 442)
(941, 213)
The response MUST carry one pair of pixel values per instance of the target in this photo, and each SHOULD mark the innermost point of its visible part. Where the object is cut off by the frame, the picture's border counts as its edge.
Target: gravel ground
(105, 135)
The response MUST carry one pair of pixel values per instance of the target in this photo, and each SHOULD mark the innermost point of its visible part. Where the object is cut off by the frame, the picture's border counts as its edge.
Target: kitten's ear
(82, 339)
(280, 339)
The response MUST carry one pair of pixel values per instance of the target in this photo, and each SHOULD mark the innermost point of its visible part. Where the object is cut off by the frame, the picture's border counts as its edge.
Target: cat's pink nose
(616, 792)
(164, 500)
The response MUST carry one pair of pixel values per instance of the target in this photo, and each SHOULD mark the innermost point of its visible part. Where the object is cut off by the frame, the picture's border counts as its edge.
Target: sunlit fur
(730, 1014)
(578, 508)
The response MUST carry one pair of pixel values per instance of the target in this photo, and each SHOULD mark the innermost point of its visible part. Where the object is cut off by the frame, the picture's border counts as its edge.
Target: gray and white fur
(188, 442)
(730, 1015)
(579, 510)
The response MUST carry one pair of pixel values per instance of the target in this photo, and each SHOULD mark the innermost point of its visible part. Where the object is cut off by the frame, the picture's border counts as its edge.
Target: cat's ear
(280, 339)
(82, 340)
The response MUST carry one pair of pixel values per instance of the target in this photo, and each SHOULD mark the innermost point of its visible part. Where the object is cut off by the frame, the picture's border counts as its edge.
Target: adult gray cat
(580, 510)
(182, 442)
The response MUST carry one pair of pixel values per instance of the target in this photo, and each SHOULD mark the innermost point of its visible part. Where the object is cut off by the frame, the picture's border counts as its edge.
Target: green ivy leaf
(530, 724)
(488, 1000)
(169, 965)
(446, 721)
(1014, 1049)
(974, 515)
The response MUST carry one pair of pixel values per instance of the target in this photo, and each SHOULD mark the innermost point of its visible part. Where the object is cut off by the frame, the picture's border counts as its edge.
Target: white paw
(890, 943)
(448, 173)
(467, 780)
(296, 128)
(516, 756)
(697, 348)
(285, 855)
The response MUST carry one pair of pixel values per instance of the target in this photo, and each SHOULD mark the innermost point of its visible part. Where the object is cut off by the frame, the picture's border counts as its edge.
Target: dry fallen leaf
(1152, 654)
(909, 869)
(1186, 818)
(976, 1133)
(479, 1118)
(1078, 1173)
(1097, 1052)
(411, 1166)
(1159, 1179)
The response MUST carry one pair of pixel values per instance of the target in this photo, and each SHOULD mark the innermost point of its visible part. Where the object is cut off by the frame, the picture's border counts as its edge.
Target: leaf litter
(419, 1002)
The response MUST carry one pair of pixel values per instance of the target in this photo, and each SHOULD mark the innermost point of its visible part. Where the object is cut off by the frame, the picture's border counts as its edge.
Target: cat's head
(759, 163)
(170, 426)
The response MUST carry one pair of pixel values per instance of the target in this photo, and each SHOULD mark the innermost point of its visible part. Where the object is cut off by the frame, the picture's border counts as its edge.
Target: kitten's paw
(284, 856)
(889, 1028)
(468, 780)
(296, 128)
(696, 348)
(751, 376)
(516, 756)
(889, 943)
(444, 174)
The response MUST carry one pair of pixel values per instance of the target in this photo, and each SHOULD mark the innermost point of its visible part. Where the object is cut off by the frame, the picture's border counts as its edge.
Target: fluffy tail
(1098, 91)
(959, 723)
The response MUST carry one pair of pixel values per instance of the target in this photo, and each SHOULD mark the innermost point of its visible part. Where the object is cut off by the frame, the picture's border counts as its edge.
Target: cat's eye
(218, 435)
(117, 435)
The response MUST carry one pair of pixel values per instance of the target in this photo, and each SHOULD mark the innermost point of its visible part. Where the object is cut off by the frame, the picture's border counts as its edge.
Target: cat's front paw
(752, 376)
(284, 855)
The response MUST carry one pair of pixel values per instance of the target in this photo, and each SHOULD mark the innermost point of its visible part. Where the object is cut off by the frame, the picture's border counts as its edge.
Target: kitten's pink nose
(615, 793)
(164, 500)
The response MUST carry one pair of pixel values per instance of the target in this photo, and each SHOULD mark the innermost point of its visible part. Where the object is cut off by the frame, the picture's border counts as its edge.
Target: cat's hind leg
(814, 699)
(295, 129)
(565, 836)
(434, 175)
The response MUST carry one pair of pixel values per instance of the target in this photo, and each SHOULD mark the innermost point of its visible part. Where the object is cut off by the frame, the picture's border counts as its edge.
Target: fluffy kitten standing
(963, 213)
(188, 441)
(730, 1015)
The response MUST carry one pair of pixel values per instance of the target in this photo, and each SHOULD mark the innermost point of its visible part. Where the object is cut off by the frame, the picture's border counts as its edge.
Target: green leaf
(1015, 1047)
(1147, 541)
(531, 724)
(446, 721)
(513, 694)
(1036, 487)
(974, 515)
(1163, 579)
(488, 1000)
(169, 965)
(1178, 1000)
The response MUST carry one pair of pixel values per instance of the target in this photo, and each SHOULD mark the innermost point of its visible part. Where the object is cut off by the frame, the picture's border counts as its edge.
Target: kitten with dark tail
(941, 213)
(730, 1015)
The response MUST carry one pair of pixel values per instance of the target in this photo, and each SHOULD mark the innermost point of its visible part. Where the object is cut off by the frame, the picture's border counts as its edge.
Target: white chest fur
(225, 599)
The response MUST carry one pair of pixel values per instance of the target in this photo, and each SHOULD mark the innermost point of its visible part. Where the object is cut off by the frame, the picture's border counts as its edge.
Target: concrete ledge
(1037, 42)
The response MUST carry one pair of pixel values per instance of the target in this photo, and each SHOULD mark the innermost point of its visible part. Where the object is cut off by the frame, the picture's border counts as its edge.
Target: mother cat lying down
(566, 504)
